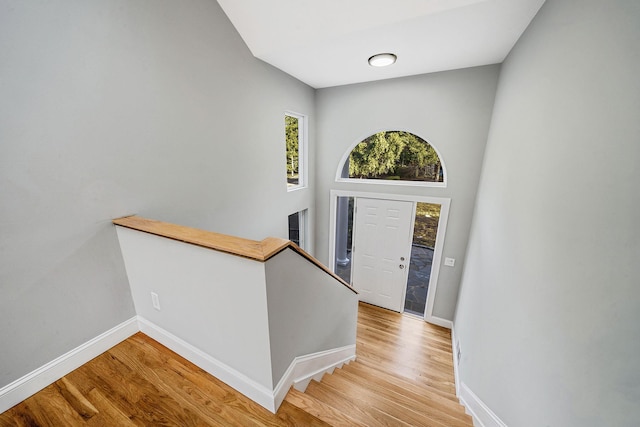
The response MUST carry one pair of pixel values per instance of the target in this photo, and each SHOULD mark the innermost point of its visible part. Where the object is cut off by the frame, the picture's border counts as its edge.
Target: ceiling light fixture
(382, 59)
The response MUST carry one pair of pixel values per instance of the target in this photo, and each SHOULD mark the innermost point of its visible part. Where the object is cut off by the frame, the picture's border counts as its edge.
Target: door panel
(382, 239)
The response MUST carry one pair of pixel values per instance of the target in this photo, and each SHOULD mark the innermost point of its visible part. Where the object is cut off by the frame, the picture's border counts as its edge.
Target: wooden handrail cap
(252, 249)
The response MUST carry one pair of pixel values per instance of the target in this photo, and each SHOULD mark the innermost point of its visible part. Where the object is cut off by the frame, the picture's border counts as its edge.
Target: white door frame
(444, 203)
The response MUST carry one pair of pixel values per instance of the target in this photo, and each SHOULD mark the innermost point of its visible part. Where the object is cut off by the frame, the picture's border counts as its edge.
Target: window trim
(302, 150)
(432, 184)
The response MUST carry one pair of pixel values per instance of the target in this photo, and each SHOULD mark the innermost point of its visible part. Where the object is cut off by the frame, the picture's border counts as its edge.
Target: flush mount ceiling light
(382, 59)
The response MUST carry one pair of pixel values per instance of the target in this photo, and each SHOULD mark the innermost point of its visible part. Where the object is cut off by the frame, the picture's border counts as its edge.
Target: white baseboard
(454, 348)
(440, 322)
(303, 368)
(299, 373)
(482, 415)
(240, 382)
(311, 366)
(22, 388)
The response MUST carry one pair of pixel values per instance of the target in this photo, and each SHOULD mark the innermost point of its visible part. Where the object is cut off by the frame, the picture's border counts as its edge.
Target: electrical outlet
(155, 301)
(449, 262)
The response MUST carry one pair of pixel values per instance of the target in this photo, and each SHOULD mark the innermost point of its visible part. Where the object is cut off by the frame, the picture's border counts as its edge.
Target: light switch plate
(155, 300)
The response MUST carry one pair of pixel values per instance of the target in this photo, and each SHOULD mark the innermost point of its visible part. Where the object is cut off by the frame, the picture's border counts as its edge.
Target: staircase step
(320, 410)
(424, 395)
(391, 338)
(394, 323)
(402, 382)
(360, 411)
(443, 384)
(415, 410)
(397, 408)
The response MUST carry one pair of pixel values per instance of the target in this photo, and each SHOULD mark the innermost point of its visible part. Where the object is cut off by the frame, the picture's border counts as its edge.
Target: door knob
(401, 266)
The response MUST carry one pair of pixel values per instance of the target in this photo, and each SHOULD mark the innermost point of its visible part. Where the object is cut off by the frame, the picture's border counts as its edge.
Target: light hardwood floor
(403, 376)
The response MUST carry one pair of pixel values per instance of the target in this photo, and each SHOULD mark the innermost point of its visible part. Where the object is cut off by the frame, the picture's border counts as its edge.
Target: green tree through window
(395, 155)
(293, 149)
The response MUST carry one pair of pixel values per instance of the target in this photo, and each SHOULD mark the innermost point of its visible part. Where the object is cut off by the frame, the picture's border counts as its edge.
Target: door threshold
(414, 315)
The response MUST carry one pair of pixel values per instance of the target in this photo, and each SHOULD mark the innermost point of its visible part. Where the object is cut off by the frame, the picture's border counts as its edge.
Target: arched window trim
(346, 155)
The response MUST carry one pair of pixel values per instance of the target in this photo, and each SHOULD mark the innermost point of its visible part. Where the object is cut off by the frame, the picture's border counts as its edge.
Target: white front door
(383, 230)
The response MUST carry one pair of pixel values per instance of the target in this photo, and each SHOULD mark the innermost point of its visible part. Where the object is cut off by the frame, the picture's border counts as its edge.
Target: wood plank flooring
(403, 376)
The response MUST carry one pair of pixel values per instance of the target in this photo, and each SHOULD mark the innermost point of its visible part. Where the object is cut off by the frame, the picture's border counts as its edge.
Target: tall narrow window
(298, 228)
(425, 230)
(344, 238)
(294, 139)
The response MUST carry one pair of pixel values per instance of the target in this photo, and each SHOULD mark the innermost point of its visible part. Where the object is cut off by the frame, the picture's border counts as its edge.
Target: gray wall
(212, 300)
(549, 312)
(113, 107)
(451, 110)
(309, 311)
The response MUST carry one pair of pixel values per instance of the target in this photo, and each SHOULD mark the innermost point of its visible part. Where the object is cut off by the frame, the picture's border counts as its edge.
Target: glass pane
(294, 228)
(344, 234)
(394, 155)
(292, 137)
(424, 242)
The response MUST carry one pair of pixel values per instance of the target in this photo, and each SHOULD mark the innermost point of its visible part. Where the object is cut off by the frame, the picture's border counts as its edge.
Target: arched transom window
(394, 157)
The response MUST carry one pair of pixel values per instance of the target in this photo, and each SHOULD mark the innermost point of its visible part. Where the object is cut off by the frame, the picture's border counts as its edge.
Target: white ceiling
(327, 42)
